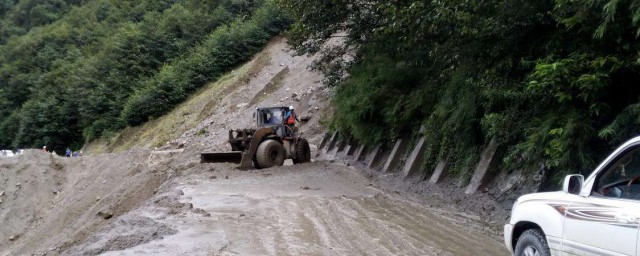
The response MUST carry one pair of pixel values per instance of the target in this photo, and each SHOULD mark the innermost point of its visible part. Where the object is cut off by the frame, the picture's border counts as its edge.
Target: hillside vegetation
(72, 71)
(554, 82)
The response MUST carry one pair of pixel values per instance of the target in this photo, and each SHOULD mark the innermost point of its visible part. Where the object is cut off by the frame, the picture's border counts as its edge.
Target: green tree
(551, 81)
(73, 70)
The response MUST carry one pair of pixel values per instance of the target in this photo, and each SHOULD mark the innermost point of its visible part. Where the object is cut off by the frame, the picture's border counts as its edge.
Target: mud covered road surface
(316, 208)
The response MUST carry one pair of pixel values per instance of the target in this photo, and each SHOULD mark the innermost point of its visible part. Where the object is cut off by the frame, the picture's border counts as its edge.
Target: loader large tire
(270, 153)
(303, 152)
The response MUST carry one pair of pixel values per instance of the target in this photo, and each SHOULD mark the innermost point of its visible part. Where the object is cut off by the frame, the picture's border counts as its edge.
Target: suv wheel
(532, 243)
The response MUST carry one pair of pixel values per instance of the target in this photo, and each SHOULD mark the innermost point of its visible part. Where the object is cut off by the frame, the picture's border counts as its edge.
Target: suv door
(606, 221)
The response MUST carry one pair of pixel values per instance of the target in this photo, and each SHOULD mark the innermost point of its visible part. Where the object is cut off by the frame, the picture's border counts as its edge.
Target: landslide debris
(128, 231)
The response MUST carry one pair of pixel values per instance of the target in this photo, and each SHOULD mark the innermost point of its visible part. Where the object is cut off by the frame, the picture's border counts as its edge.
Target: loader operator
(291, 118)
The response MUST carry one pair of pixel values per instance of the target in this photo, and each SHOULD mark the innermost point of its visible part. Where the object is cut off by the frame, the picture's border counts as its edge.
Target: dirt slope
(162, 201)
(51, 202)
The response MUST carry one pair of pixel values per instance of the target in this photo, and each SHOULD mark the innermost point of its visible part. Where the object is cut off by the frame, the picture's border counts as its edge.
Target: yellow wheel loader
(267, 146)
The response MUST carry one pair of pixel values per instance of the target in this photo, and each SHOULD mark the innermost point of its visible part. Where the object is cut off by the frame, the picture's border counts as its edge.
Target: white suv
(598, 216)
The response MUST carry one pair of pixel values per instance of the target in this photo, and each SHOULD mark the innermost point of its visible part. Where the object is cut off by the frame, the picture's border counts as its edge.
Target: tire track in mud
(400, 224)
(389, 234)
(359, 238)
(425, 229)
(369, 225)
(356, 225)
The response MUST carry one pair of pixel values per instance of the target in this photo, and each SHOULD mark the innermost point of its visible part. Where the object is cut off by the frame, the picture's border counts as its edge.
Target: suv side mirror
(573, 184)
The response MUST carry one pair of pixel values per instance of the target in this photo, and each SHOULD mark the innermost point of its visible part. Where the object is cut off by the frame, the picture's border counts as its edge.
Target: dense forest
(75, 70)
(553, 82)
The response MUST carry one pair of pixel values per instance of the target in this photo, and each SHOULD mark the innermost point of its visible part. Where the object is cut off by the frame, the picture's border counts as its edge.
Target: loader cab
(270, 117)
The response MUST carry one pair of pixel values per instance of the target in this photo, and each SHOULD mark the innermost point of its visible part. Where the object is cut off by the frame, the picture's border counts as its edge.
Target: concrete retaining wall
(353, 146)
(340, 145)
(374, 157)
(325, 139)
(398, 152)
(332, 142)
(440, 172)
(360, 153)
(480, 175)
(413, 159)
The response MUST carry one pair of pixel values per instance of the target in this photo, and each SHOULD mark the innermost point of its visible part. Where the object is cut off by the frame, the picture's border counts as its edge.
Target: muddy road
(317, 208)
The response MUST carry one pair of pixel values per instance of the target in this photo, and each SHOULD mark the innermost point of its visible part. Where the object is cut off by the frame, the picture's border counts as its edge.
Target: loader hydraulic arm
(249, 154)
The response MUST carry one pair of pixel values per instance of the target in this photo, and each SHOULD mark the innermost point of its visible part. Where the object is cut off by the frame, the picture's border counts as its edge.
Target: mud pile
(51, 202)
(126, 232)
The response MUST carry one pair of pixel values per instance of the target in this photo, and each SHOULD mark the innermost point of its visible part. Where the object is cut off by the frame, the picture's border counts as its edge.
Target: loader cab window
(276, 117)
(264, 117)
(621, 178)
(270, 117)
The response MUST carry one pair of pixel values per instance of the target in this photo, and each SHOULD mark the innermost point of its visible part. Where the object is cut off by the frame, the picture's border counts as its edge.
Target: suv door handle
(626, 218)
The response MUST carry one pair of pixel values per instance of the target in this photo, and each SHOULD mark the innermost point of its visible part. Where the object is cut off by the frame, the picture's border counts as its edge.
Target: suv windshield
(622, 178)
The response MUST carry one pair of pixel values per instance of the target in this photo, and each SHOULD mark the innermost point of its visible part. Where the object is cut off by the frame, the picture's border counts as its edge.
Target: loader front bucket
(221, 157)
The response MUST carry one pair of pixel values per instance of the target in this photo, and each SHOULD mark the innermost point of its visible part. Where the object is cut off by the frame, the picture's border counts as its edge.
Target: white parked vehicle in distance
(6, 153)
(596, 216)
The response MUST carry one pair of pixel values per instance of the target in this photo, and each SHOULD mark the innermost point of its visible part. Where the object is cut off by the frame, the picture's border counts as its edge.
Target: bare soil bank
(51, 202)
